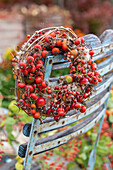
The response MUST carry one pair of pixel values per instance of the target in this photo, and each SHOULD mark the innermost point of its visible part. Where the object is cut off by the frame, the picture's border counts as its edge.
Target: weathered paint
(66, 121)
(101, 50)
(65, 139)
(31, 144)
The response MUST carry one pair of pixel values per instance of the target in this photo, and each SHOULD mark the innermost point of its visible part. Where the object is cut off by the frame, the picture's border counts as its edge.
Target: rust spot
(35, 132)
(63, 122)
(58, 142)
(30, 152)
(85, 113)
(53, 124)
(50, 61)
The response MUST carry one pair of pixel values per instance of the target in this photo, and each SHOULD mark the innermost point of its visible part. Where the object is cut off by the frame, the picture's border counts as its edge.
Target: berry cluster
(35, 96)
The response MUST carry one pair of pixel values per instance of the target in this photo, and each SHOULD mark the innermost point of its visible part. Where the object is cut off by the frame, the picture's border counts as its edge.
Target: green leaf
(110, 103)
(71, 166)
(111, 118)
(12, 107)
(2, 124)
(10, 121)
(83, 156)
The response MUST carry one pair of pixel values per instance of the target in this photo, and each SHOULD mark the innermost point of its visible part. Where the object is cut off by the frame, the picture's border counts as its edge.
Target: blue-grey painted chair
(103, 47)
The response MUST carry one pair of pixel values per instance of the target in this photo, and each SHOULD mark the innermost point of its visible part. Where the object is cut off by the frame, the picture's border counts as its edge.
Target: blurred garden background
(19, 18)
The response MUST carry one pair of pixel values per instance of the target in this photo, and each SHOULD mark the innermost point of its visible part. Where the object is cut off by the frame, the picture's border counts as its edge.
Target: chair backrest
(96, 107)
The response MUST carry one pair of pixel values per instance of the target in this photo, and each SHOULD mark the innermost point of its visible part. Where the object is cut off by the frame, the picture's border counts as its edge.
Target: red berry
(77, 41)
(82, 39)
(99, 79)
(61, 113)
(56, 118)
(55, 51)
(38, 80)
(93, 66)
(21, 85)
(52, 34)
(39, 66)
(59, 43)
(21, 101)
(83, 109)
(28, 36)
(77, 105)
(64, 47)
(83, 81)
(36, 55)
(33, 96)
(91, 52)
(36, 115)
(29, 87)
(96, 73)
(22, 65)
(37, 46)
(44, 54)
(47, 38)
(90, 61)
(44, 83)
(49, 111)
(30, 59)
(40, 62)
(40, 102)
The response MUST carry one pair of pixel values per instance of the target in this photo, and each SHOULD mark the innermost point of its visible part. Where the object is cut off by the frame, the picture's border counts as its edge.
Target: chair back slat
(46, 127)
(96, 106)
(60, 138)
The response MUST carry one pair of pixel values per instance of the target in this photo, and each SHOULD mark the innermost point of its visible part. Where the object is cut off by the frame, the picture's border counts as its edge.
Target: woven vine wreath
(34, 95)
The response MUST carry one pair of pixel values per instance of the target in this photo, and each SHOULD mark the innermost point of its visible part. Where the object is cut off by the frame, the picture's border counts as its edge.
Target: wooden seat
(96, 106)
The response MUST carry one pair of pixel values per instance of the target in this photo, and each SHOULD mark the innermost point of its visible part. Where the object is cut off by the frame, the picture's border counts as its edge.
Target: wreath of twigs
(34, 94)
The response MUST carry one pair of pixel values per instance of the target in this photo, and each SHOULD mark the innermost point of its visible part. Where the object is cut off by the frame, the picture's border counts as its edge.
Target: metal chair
(96, 107)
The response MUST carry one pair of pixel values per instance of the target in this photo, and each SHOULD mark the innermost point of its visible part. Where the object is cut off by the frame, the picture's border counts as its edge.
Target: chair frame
(96, 107)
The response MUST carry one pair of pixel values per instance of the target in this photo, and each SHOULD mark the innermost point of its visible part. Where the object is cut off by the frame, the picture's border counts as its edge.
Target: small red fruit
(59, 43)
(91, 52)
(33, 106)
(39, 66)
(36, 55)
(40, 62)
(52, 34)
(83, 81)
(82, 39)
(44, 83)
(55, 51)
(56, 118)
(36, 115)
(44, 54)
(77, 41)
(30, 59)
(93, 66)
(29, 87)
(21, 85)
(33, 96)
(64, 47)
(37, 46)
(38, 80)
(21, 101)
(77, 105)
(40, 102)
(22, 65)
(83, 109)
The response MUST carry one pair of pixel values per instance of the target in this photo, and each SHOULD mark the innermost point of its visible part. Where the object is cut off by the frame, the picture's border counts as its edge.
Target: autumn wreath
(34, 94)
